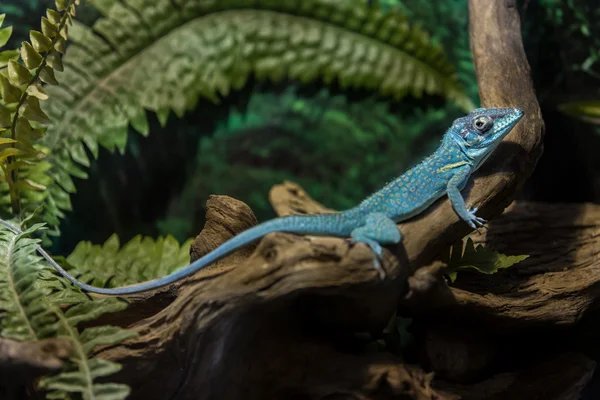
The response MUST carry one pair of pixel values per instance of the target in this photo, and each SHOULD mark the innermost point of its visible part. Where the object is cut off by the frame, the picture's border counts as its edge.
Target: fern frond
(80, 377)
(141, 259)
(31, 301)
(21, 92)
(164, 55)
(20, 311)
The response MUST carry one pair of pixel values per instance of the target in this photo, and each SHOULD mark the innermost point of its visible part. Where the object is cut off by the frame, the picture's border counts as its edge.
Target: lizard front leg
(377, 230)
(455, 185)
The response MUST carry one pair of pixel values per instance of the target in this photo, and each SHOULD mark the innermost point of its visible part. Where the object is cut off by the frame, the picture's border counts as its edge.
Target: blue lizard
(464, 148)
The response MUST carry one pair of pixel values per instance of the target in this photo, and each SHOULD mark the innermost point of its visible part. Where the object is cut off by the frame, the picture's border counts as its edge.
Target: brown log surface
(26, 360)
(21, 363)
(561, 377)
(241, 334)
(264, 327)
(556, 286)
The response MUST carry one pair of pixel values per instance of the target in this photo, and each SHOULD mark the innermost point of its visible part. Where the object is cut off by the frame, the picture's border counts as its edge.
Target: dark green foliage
(561, 42)
(22, 121)
(478, 259)
(23, 15)
(317, 140)
(339, 150)
(141, 259)
(579, 23)
(588, 111)
(323, 142)
(563, 46)
(32, 301)
(130, 192)
(168, 58)
(448, 23)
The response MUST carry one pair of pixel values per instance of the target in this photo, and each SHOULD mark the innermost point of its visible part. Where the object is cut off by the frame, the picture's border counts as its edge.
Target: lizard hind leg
(377, 230)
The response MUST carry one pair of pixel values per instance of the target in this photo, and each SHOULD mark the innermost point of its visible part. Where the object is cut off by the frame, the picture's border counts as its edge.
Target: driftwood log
(22, 362)
(290, 317)
(525, 313)
(275, 331)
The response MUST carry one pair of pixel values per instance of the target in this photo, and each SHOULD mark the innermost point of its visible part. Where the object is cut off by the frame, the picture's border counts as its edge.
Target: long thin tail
(327, 224)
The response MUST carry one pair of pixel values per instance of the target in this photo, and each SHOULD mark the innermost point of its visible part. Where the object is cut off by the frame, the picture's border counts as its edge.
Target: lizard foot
(474, 221)
(377, 254)
(377, 230)
(378, 267)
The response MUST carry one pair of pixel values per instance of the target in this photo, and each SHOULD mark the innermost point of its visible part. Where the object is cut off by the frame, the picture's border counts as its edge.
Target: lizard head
(478, 133)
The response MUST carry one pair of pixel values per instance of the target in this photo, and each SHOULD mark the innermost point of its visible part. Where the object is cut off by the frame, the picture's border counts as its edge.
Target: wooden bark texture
(23, 362)
(273, 323)
(558, 285)
(524, 313)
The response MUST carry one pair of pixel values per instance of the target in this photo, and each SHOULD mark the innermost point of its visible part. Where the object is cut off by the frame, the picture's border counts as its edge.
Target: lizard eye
(483, 123)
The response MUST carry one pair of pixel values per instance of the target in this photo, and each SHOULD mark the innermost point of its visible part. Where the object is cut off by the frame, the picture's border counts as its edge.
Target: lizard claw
(378, 267)
(476, 222)
(377, 256)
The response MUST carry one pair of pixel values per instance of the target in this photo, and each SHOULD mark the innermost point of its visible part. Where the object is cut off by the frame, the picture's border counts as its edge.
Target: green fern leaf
(163, 55)
(19, 294)
(5, 33)
(480, 259)
(141, 259)
(81, 379)
(32, 297)
(22, 118)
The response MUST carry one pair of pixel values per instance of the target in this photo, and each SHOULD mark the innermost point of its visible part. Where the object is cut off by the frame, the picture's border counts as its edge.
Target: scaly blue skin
(465, 146)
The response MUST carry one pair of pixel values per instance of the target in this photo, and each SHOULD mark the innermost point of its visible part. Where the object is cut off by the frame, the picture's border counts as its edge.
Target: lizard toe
(378, 267)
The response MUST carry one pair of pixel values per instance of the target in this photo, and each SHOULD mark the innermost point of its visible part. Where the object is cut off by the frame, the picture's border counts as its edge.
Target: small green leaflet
(480, 259)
